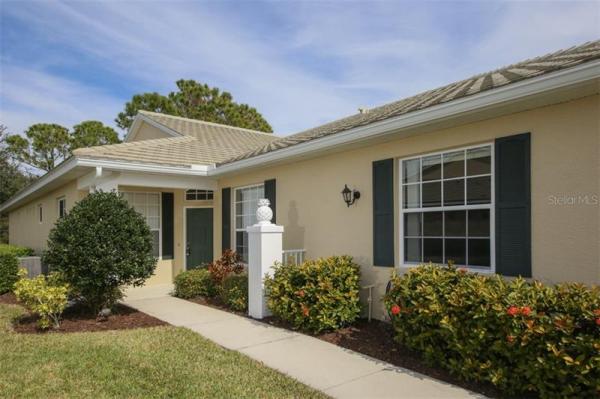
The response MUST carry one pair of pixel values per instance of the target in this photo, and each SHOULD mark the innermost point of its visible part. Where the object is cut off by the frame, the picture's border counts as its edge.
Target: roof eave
(501, 95)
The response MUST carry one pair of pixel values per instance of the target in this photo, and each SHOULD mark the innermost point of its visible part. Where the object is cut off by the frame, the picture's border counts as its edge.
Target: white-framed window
(148, 205)
(62, 207)
(199, 195)
(40, 213)
(447, 203)
(245, 204)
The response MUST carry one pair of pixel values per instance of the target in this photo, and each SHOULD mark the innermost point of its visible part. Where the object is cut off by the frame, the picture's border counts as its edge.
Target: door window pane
(432, 224)
(454, 164)
(412, 250)
(479, 252)
(479, 161)
(411, 170)
(479, 223)
(412, 224)
(433, 250)
(456, 251)
(454, 192)
(432, 194)
(479, 190)
(432, 168)
(455, 223)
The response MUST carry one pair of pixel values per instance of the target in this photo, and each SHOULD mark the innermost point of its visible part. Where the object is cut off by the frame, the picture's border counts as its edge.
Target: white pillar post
(264, 249)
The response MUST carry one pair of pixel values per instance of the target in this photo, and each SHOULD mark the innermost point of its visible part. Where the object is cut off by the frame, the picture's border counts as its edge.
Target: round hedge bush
(234, 292)
(318, 295)
(524, 337)
(9, 270)
(193, 283)
(100, 246)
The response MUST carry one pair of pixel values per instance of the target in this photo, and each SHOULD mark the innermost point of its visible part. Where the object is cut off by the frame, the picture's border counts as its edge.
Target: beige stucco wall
(565, 162)
(24, 226)
(148, 132)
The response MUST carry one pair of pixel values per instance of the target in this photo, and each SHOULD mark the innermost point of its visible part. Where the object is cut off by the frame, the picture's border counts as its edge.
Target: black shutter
(270, 194)
(167, 225)
(383, 212)
(513, 205)
(225, 219)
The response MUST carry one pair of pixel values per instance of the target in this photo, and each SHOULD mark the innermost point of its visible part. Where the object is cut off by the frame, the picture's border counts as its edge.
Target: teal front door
(199, 236)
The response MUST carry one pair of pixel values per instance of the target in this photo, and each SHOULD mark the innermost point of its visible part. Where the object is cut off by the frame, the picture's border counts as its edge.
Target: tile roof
(486, 81)
(200, 143)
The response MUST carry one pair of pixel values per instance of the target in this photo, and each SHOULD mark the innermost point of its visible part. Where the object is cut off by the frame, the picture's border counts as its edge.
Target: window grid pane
(245, 206)
(457, 185)
(147, 205)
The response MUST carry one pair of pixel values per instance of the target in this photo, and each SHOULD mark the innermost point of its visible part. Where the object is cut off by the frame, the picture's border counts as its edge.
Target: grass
(157, 362)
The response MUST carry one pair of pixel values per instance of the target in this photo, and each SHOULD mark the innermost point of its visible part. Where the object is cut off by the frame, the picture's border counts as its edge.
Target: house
(499, 172)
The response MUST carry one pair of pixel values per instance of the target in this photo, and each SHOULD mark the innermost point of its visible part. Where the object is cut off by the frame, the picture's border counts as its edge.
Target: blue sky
(299, 63)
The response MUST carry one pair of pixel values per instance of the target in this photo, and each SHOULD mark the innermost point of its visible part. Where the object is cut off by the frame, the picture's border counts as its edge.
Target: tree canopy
(12, 179)
(196, 101)
(45, 145)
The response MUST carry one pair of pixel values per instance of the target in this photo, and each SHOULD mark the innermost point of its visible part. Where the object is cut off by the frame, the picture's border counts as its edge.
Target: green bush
(6, 249)
(9, 268)
(42, 296)
(193, 283)
(100, 246)
(317, 295)
(522, 337)
(234, 292)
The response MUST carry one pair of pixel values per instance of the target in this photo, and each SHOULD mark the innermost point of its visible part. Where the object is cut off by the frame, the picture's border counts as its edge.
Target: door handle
(187, 249)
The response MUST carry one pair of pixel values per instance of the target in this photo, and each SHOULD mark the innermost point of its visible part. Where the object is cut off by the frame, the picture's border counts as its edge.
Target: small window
(199, 195)
(40, 213)
(245, 205)
(62, 207)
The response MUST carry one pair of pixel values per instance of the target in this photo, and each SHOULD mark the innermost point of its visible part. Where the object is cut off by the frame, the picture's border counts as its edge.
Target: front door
(199, 236)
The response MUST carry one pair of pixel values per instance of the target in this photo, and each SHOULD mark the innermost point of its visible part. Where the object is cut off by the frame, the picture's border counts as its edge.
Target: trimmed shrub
(317, 295)
(193, 283)
(234, 292)
(229, 263)
(522, 337)
(6, 249)
(9, 268)
(43, 296)
(100, 246)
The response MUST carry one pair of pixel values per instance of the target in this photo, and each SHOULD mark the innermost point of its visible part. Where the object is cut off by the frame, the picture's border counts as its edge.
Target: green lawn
(160, 362)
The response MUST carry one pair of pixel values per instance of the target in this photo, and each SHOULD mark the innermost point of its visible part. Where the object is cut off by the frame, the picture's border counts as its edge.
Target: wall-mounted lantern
(350, 196)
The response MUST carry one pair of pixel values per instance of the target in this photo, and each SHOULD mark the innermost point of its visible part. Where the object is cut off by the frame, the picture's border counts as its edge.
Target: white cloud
(30, 96)
(299, 64)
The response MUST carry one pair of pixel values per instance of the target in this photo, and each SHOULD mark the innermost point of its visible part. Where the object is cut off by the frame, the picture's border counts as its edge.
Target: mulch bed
(216, 303)
(78, 319)
(8, 299)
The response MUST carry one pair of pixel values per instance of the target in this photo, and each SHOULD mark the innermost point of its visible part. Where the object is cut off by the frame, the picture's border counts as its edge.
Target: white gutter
(49, 177)
(72, 163)
(193, 170)
(436, 113)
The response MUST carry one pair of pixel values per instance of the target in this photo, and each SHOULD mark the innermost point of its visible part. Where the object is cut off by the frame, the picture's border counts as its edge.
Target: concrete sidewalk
(338, 372)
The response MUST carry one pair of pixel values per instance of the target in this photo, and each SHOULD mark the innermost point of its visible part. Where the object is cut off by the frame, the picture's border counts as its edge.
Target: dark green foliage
(100, 246)
(318, 295)
(234, 292)
(521, 336)
(6, 249)
(9, 269)
(193, 283)
(196, 101)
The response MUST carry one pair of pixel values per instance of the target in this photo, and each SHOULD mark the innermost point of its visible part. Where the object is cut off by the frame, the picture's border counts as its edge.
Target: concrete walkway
(338, 372)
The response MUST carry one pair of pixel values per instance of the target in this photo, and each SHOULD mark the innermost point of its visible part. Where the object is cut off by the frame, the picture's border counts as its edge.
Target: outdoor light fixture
(350, 195)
